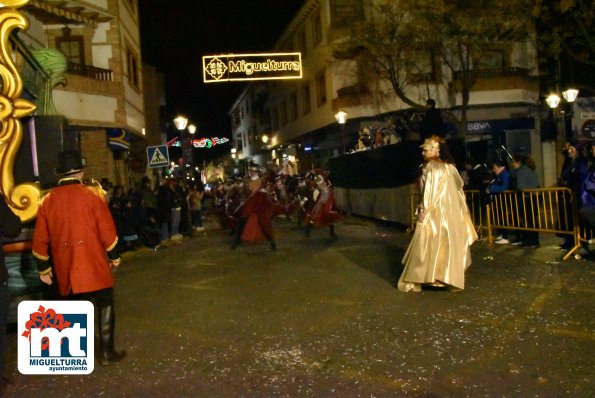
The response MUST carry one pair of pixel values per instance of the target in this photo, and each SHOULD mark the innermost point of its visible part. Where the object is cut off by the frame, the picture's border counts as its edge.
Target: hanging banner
(118, 139)
(233, 67)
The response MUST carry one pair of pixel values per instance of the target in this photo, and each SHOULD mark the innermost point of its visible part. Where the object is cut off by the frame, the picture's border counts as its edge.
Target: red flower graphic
(43, 319)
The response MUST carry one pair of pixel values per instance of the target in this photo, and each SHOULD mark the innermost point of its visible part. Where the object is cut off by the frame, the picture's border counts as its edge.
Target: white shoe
(502, 241)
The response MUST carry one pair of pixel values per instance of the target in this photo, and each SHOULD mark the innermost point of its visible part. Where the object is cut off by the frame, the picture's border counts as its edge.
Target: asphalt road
(322, 317)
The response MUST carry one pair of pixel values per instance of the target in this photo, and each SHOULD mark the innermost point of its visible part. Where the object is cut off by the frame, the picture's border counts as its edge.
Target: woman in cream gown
(439, 252)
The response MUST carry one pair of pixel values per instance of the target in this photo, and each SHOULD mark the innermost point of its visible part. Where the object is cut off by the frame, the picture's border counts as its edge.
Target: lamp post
(341, 117)
(181, 122)
(554, 100)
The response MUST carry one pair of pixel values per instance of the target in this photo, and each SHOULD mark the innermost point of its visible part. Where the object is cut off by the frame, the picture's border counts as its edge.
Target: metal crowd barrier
(586, 234)
(474, 204)
(551, 210)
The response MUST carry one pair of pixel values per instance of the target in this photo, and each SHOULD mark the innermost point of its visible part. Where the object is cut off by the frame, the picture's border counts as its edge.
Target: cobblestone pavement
(322, 317)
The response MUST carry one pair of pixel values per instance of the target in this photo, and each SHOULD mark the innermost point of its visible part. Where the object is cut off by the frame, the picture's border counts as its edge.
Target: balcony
(499, 79)
(90, 71)
(354, 95)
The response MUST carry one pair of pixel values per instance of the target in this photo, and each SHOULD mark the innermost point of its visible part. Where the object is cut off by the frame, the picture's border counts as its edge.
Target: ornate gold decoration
(23, 198)
(13, 3)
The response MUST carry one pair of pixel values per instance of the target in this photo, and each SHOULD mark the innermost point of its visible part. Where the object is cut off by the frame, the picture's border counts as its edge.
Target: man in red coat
(75, 228)
(256, 213)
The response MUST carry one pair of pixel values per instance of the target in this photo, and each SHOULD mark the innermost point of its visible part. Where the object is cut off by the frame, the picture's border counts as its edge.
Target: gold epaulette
(96, 188)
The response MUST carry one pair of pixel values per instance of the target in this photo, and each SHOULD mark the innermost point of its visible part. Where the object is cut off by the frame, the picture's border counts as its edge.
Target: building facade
(299, 116)
(85, 76)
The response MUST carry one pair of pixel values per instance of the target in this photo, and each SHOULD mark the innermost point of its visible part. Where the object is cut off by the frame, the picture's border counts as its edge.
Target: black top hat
(70, 162)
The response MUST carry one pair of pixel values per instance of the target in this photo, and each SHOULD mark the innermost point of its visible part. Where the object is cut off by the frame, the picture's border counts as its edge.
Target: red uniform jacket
(75, 228)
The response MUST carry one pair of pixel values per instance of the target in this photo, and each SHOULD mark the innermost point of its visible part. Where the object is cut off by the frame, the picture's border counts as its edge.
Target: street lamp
(181, 121)
(265, 138)
(341, 117)
(553, 100)
(570, 94)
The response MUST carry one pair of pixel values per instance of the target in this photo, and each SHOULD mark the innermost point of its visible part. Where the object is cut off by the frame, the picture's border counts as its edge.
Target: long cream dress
(440, 248)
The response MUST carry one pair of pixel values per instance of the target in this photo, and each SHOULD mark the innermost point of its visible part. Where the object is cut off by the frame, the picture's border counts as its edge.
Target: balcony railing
(496, 72)
(90, 71)
(353, 91)
(352, 96)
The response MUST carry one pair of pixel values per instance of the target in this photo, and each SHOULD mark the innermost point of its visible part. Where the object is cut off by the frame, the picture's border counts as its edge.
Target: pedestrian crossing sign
(157, 156)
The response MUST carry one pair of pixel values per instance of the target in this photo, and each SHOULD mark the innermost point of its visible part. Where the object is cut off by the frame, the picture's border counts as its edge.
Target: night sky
(175, 34)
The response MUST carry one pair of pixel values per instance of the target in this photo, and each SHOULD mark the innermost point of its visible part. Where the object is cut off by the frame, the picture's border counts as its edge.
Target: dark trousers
(100, 298)
(196, 217)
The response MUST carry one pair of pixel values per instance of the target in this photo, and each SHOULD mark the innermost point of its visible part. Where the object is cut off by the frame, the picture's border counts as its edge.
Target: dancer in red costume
(324, 211)
(254, 225)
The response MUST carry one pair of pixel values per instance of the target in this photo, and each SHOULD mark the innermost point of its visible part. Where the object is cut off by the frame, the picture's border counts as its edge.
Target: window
(423, 69)
(302, 44)
(491, 60)
(236, 118)
(316, 28)
(133, 69)
(345, 12)
(306, 102)
(293, 107)
(321, 89)
(72, 47)
(252, 135)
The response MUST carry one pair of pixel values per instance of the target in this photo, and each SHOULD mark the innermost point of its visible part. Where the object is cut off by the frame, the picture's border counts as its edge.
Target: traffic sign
(157, 156)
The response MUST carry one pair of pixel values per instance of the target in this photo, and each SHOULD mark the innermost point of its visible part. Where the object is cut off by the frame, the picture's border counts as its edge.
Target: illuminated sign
(233, 67)
(200, 143)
